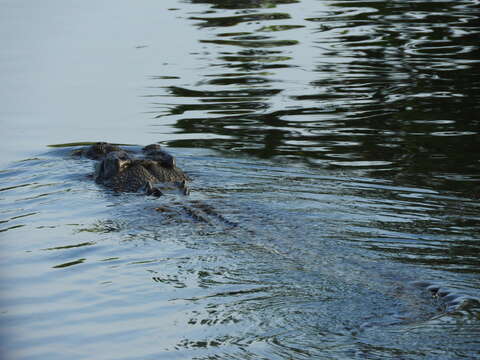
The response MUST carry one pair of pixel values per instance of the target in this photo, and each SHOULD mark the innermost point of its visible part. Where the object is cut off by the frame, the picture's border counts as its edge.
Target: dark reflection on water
(387, 90)
(387, 87)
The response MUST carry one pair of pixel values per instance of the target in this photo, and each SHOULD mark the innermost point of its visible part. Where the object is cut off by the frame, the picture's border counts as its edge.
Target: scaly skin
(121, 173)
(136, 175)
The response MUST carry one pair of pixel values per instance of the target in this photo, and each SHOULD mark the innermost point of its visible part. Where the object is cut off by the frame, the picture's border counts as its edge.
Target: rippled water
(338, 140)
(385, 86)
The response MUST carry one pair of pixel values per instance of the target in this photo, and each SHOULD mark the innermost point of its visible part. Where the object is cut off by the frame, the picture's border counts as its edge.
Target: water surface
(339, 140)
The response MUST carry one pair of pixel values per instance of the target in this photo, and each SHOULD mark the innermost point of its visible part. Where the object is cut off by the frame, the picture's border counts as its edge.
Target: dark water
(341, 137)
(386, 88)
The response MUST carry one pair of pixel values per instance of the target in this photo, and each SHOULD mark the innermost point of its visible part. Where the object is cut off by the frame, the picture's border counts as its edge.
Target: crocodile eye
(121, 164)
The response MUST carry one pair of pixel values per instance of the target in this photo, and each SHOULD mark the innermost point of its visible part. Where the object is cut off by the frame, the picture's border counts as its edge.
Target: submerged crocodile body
(151, 170)
(449, 301)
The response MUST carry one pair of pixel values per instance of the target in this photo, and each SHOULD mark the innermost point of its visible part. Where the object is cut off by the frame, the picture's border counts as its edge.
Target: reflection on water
(342, 139)
(389, 87)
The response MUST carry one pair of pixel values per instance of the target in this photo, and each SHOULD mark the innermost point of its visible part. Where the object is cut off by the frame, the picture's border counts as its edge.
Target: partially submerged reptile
(151, 171)
(125, 171)
(121, 171)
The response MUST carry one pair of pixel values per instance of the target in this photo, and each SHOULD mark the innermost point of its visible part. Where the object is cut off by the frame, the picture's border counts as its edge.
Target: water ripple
(341, 137)
(377, 68)
(271, 285)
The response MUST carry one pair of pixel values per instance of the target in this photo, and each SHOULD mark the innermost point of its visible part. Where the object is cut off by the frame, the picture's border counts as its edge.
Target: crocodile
(151, 172)
(121, 171)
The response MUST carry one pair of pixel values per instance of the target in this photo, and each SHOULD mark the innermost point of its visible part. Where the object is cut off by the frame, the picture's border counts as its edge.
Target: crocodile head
(122, 172)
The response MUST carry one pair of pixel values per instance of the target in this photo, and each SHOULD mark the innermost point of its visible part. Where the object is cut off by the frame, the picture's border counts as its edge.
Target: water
(341, 137)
